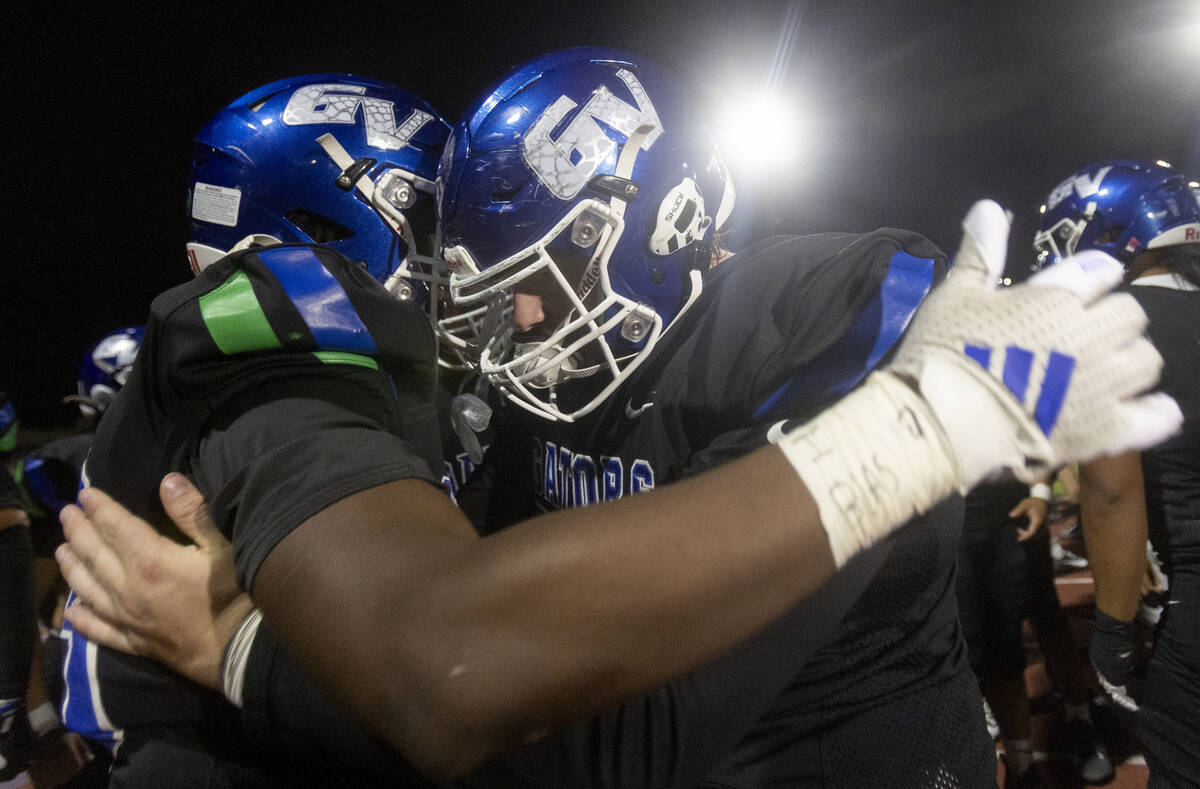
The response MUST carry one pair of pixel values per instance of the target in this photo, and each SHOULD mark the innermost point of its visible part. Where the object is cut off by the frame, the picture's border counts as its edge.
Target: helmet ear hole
(320, 229)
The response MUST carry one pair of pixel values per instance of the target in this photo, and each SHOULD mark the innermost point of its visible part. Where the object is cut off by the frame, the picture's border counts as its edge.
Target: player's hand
(1115, 650)
(142, 593)
(1035, 510)
(1039, 375)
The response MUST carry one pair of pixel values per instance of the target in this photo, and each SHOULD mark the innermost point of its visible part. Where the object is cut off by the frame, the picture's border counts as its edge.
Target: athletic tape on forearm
(237, 652)
(872, 462)
(1040, 490)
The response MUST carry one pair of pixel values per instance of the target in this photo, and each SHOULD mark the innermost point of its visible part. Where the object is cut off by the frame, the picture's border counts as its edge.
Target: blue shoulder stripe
(320, 299)
(874, 332)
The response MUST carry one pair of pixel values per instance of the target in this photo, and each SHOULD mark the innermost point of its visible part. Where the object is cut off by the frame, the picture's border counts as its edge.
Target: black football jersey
(1172, 469)
(280, 380)
(865, 683)
(780, 331)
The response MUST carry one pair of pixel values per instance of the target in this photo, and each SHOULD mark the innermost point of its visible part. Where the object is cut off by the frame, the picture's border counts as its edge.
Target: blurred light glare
(763, 136)
(1182, 36)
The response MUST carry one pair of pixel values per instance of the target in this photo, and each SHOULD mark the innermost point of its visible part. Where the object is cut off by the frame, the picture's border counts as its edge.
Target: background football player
(1147, 215)
(18, 629)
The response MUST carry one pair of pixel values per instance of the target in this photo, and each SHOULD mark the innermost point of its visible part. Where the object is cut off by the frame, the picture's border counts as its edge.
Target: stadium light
(763, 136)
(764, 129)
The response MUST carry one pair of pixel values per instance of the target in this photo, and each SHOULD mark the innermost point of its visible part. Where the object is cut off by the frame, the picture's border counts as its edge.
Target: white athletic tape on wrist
(1040, 490)
(237, 653)
(872, 462)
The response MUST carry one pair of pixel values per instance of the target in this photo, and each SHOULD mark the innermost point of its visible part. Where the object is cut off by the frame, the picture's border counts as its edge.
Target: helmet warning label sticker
(216, 204)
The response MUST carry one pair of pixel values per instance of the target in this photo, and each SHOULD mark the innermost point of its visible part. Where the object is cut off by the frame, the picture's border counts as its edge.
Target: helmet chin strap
(396, 282)
(345, 161)
(392, 217)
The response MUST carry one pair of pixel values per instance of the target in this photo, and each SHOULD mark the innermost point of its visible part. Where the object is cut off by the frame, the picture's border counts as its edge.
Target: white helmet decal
(1082, 185)
(681, 219)
(583, 138)
(336, 103)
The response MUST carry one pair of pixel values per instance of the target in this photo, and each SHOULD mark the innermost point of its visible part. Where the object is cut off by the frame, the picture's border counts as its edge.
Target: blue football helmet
(104, 369)
(335, 159)
(587, 171)
(1120, 207)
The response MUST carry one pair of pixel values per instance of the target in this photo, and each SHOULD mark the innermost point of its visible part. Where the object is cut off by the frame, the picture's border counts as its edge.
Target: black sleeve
(674, 736)
(281, 458)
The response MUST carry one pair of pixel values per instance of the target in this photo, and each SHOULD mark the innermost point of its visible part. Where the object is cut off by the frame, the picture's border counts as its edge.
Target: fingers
(132, 543)
(1036, 518)
(122, 530)
(980, 258)
(91, 561)
(1116, 317)
(95, 628)
(1035, 510)
(1146, 421)
(185, 505)
(81, 579)
(1139, 366)
(1088, 275)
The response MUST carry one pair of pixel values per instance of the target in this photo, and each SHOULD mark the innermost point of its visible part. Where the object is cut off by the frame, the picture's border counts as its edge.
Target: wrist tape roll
(871, 462)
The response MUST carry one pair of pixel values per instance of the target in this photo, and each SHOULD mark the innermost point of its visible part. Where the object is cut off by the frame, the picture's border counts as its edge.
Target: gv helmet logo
(565, 164)
(335, 103)
(1082, 185)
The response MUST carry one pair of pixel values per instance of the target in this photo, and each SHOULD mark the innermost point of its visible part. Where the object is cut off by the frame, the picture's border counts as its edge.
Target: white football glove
(1039, 375)
(1027, 378)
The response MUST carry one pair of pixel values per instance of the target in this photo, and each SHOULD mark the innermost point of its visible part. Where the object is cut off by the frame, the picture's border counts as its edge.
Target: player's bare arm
(1112, 504)
(1112, 510)
(462, 648)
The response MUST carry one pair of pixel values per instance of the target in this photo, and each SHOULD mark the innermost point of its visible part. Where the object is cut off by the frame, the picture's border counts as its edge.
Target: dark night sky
(912, 111)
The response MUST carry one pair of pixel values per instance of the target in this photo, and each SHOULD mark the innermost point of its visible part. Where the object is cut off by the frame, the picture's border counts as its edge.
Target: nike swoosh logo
(775, 432)
(634, 413)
